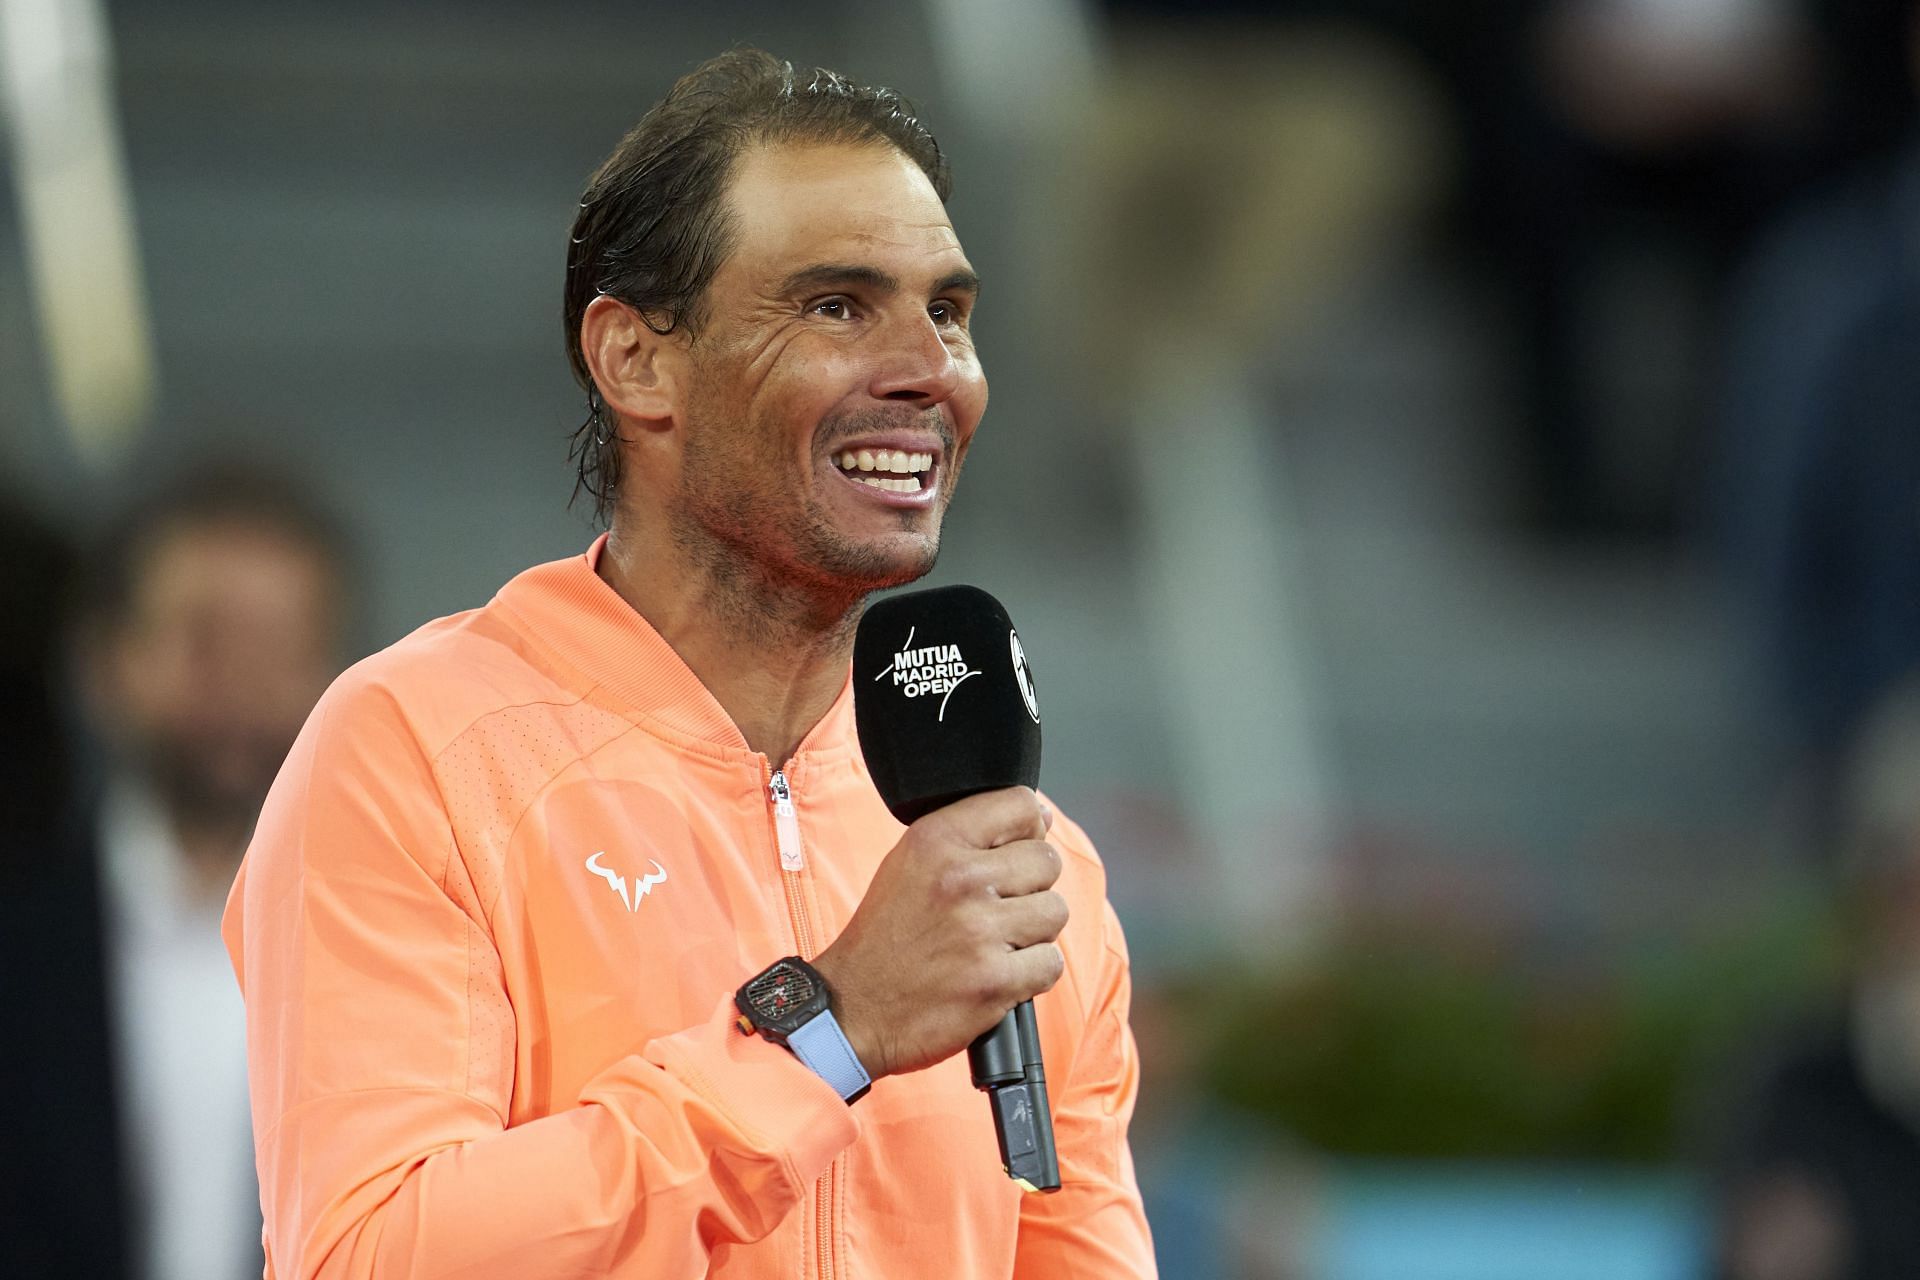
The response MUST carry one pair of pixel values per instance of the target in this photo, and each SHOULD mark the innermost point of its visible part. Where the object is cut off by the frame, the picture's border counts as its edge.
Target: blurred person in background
(61, 1199)
(215, 614)
(1633, 151)
(511, 930)
(1818, 463)
(1608, 164)
(1821, 1172)
(36, 568)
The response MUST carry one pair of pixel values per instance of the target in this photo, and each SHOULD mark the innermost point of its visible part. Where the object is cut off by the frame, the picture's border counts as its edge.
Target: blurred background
(1456, 468)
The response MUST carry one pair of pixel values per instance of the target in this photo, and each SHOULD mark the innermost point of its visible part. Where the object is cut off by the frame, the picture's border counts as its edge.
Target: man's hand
(957, 927)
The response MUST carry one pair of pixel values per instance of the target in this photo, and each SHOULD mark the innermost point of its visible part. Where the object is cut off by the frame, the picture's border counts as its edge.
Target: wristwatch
(790, 1004)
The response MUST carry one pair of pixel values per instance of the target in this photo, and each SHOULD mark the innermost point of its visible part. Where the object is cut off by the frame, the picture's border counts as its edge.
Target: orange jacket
(475, 1054)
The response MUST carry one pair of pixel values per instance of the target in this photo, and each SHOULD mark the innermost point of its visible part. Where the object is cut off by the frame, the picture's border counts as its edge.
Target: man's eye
(833, 308)
(944, 313)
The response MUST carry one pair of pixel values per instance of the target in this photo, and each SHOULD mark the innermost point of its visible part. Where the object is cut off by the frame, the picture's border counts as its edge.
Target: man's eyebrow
(829, 275)
(961, 281)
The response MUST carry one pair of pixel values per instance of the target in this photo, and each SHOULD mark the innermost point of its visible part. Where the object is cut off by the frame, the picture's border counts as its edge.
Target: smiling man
(575, 938)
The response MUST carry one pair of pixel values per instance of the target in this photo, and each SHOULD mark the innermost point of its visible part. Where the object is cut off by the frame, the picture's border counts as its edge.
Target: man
(493, 923)
(214, 618)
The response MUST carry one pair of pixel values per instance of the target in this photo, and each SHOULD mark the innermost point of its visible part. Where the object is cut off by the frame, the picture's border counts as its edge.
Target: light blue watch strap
(823, 1047)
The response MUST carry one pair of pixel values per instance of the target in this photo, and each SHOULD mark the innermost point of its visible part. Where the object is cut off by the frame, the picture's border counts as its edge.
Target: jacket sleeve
(1094, 1226)
(381, 1095)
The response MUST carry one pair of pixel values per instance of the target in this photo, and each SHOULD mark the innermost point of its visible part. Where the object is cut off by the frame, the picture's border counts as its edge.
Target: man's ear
(636, 369)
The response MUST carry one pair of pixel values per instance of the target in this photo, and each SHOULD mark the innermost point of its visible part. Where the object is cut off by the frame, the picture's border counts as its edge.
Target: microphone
(944, 703)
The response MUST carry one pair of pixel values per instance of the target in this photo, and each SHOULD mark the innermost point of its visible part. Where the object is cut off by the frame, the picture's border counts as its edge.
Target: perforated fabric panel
(490, 775)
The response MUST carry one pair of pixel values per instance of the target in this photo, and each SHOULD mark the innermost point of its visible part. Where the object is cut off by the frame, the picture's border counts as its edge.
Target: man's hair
(653, 226)
(216, 495)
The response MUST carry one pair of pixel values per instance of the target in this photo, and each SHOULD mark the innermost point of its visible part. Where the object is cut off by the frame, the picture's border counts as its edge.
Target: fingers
(1035, 969)
(1032, 920)
(1017, 869)
(995, 818)
(959, 922)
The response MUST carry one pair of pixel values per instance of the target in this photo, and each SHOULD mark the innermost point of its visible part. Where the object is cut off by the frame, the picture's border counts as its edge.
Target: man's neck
(774, 656)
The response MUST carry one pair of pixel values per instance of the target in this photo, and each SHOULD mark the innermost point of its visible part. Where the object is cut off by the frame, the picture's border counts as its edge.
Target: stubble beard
(209, 784)
(774, 566)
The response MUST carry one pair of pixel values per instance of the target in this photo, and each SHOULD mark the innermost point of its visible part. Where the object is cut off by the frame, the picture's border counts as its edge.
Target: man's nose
(916, 365)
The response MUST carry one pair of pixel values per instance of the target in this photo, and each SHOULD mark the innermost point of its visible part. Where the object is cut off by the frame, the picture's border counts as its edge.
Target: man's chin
(878, 566)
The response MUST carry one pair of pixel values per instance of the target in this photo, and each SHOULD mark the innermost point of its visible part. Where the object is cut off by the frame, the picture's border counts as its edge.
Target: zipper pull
(786, 823)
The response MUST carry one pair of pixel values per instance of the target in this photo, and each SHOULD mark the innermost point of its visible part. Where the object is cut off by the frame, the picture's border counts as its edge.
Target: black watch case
(782, 998)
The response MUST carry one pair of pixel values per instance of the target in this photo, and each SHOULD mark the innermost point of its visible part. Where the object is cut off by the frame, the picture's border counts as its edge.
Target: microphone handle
(1006, 1064)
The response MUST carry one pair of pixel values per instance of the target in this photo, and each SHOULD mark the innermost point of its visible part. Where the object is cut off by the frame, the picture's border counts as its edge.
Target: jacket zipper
(793, 862)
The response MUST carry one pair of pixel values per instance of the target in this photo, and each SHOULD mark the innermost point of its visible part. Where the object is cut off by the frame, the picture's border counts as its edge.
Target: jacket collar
(569, 610)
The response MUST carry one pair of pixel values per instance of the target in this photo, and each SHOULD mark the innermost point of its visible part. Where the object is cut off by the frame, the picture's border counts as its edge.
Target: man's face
(835, 334)
(230, 636)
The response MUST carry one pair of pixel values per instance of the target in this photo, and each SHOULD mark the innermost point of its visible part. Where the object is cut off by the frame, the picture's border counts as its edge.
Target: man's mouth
(894, 470)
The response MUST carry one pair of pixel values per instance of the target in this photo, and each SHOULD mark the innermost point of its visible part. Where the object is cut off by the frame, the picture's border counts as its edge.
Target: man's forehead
(794, 205)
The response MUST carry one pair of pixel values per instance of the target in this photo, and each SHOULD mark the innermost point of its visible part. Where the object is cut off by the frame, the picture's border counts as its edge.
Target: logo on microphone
(929, 670)
(1023, 675)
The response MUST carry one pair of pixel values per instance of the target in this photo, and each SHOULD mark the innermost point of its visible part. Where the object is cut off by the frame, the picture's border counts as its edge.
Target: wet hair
(653, 225)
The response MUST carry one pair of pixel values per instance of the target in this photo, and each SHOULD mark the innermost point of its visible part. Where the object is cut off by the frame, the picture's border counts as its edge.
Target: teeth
(904, 484)
(892, 461)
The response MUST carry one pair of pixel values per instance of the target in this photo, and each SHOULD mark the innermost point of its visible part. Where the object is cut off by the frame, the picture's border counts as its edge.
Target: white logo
(1023, 675)
(619, 882)
(928, 670)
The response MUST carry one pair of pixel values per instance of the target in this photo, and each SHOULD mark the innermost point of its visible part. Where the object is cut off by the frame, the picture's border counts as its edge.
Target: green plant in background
(1412, 1043)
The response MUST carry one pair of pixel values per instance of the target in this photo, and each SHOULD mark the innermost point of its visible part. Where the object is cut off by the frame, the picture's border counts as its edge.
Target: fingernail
(1046, 814)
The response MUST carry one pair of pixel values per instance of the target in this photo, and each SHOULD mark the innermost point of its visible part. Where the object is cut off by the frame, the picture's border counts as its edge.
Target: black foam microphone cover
(943, 699)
